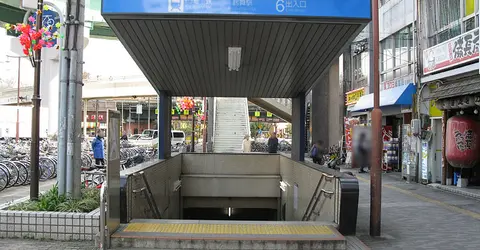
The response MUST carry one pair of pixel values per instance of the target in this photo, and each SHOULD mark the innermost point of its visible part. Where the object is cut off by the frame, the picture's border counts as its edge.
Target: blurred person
(246, 144)
(98, 147)
(317, 152)
(273, 143)
(362, 150)
(124, 137)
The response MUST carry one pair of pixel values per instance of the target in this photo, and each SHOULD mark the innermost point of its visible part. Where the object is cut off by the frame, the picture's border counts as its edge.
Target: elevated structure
(253, 49)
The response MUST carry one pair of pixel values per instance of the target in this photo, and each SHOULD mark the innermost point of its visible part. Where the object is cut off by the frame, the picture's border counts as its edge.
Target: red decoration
(32, 40)
(462, 146)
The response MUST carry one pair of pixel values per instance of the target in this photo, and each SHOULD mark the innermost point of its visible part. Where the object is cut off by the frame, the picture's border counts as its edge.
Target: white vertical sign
(139, 109)
(29, 4)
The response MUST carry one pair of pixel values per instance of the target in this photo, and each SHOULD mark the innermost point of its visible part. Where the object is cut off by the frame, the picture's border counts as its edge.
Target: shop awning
(402, 95)
(462, 87)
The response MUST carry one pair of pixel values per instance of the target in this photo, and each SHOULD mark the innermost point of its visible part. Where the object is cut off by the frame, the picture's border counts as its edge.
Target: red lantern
(462, 146)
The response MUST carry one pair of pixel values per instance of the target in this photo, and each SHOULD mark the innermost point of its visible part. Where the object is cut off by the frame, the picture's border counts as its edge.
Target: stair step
(148, 234)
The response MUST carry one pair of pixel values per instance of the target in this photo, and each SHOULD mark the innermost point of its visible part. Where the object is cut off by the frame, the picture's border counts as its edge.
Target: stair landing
(194, 234)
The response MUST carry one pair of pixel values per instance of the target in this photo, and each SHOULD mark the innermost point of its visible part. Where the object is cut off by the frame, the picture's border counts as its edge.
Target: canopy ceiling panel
(186, 53)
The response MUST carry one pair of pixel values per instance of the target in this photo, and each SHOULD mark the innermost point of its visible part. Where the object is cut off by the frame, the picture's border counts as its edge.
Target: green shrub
(51, 201)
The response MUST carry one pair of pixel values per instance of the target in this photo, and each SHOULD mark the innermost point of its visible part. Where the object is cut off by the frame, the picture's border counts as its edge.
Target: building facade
(449, 41)
(398, 80)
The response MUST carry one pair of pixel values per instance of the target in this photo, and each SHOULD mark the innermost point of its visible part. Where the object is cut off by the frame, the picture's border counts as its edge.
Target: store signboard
(397, 82)
(461, 49)
(353, 96)
(424, 160)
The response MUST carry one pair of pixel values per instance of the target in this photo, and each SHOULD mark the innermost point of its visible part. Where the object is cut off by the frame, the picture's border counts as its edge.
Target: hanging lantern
(462, 146)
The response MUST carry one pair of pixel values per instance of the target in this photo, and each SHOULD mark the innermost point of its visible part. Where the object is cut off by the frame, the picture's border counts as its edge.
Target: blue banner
(304, 8)
(50, 19)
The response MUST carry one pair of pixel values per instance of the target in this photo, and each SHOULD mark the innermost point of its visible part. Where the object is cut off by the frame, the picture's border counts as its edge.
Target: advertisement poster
(387, 133)
(406, 134)
(424, 160)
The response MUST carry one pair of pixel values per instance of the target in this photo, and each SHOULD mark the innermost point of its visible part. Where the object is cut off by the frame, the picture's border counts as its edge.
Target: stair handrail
(103, 215)
(311, 204)
(247, 116)
(214, 120)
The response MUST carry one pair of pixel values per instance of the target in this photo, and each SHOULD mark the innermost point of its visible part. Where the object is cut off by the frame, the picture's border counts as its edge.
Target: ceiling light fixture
(234, 58)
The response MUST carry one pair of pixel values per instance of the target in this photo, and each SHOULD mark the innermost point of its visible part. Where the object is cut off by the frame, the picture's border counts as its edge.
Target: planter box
(48, 225)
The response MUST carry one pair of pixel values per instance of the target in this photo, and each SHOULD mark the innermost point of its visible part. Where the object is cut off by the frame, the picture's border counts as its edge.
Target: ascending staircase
(231, 124)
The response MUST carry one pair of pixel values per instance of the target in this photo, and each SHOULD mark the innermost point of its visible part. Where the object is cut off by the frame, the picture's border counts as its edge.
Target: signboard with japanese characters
(397, 82)
(458, 50)
(354, 95)
(308, 8)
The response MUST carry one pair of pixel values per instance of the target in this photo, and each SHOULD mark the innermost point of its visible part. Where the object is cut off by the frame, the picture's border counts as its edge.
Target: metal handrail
(247, 116)
(214, 119)
(103, 213)
(311, 205)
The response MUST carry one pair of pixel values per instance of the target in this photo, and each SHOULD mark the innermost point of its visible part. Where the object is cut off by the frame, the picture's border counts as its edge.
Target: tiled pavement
(413, 217)
(418, 217)
(24, 244)
(14, 193)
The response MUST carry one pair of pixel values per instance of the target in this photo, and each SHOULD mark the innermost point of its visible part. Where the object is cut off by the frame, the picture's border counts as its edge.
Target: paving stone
(26, 244)
(415, 216)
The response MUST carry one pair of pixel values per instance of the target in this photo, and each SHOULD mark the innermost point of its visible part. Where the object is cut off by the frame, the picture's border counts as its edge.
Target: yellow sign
(433, 110)
(354, 95)
(269, 114)
(257, 113)
(186, 112)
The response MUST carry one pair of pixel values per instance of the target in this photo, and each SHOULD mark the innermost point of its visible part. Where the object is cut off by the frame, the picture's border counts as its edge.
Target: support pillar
(164, 125)
(210, 123)
(298, 128)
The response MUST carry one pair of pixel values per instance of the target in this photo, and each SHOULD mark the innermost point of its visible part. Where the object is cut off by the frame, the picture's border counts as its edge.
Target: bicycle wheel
(22, 173)
(26, 164)
(3, 178)
(48, 168)
(14, 173)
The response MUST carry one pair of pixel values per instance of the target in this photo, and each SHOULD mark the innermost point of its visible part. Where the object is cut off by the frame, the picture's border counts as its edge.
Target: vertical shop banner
(406, 133)
(425, 160)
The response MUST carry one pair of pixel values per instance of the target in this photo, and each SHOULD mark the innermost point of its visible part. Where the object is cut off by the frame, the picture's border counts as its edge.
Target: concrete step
(227, 235)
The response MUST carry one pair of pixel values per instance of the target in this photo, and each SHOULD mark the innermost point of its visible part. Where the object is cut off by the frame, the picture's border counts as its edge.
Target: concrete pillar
(320, 104)
(298, 127)
(210, 118)
(328, 107)
(164, 125)
(49, 89)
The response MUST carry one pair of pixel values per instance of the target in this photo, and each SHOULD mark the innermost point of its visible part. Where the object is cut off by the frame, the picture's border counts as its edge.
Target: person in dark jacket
(317, 152)
(98, 147)
(273, 144)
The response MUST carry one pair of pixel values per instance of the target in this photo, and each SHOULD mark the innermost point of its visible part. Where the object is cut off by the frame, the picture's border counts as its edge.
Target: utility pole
(76, 10)
(376, 170)
(34, 147)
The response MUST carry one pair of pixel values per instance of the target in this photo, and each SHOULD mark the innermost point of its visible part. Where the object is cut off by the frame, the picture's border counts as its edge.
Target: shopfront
(455, 95)
(396, 104)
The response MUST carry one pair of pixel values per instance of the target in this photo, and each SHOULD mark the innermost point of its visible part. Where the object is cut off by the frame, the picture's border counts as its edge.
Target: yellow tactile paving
(239, 229)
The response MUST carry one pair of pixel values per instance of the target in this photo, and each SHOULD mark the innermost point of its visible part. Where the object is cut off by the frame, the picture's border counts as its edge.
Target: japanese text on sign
(193, 5)
(465, 45)
(242, 2)
(290, 5)
(458, 50)
(354, 95)
(464, 141)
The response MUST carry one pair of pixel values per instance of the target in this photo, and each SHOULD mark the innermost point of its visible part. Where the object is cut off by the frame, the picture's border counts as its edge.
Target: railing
(247, 116)
(312, 205)
(103, 214)
(214, 120)
(287, 102)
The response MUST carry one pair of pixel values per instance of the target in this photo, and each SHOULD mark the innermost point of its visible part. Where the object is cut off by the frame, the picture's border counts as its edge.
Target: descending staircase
(231, 124)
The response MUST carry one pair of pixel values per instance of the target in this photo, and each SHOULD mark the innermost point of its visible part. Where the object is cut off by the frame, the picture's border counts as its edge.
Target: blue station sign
(348, 9)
